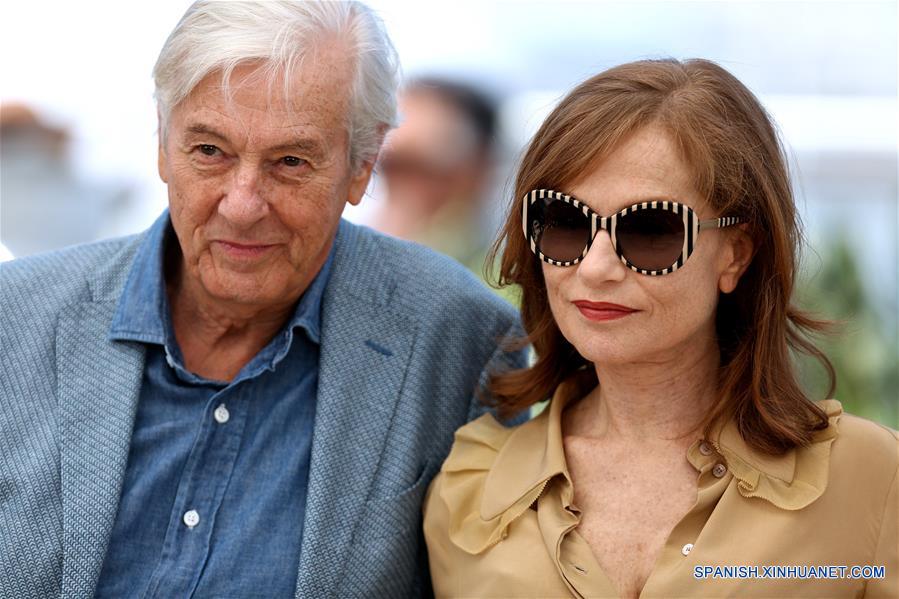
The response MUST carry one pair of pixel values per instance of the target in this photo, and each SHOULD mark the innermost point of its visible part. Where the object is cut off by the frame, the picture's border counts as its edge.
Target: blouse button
(686, 549)
(719, 470)
(705, 448)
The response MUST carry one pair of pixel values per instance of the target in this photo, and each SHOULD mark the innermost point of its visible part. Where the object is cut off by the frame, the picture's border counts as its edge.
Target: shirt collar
(142, 313)
(790, 481)
(534, 453)
(142, 308)
(730, 443)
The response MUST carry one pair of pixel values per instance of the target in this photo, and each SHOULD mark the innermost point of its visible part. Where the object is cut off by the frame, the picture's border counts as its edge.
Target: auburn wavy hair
(739, 166)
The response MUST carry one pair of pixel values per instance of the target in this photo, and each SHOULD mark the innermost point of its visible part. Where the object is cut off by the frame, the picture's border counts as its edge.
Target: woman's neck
(664, 399)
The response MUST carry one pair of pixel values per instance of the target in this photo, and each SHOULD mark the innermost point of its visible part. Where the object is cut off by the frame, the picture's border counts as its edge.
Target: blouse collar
(534, 453)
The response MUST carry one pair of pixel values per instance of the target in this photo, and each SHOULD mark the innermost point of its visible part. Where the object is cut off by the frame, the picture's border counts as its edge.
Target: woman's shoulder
(860, 437)
(864, 474)
(865, 454)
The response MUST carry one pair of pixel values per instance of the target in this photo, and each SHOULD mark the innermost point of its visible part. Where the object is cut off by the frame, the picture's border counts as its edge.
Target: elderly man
(250, 398)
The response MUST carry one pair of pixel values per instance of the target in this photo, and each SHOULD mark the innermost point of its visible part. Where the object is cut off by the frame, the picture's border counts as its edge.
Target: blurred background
(78, 143)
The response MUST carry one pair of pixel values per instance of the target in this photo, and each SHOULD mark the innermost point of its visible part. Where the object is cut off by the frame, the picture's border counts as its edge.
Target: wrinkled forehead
(314, 89)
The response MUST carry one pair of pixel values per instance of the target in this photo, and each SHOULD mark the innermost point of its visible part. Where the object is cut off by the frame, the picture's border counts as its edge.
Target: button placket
(201, 488)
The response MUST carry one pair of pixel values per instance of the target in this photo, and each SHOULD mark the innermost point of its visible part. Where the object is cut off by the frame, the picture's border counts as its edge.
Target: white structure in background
(46, 204)
(5, 254)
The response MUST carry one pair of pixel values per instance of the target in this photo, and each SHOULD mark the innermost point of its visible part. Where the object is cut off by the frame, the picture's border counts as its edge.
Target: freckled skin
(265, 169)
(630, 501)
(625, 442)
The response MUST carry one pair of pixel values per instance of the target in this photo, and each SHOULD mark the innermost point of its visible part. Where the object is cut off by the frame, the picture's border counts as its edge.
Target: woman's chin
(610, 356)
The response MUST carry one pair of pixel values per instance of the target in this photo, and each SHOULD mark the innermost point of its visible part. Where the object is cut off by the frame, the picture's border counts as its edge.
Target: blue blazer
(407, 336)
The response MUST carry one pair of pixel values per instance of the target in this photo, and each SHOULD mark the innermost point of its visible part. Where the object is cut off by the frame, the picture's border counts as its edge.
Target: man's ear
(359, 182)
(736, 257)
(160, 158)
(362, 175)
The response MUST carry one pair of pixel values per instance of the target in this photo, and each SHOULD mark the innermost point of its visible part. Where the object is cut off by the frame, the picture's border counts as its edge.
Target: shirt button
(686, 549)
(719, 470)
(221, 414)
(191, 518)
(705, 448)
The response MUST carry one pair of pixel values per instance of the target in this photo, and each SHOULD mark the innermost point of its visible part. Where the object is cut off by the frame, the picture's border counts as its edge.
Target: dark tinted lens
(560, 230)
(651, 239)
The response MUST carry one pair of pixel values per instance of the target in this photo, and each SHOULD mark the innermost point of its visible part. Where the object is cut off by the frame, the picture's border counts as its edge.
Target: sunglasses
(651, 238)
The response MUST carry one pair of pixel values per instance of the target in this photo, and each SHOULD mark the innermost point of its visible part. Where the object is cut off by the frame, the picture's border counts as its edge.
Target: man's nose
(243, 204)
(601, 262)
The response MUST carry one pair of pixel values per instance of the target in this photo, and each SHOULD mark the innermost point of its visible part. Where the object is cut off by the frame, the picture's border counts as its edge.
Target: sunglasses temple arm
(719, 223)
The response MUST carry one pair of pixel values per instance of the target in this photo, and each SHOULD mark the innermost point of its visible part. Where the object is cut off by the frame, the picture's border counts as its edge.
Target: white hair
(220, 36)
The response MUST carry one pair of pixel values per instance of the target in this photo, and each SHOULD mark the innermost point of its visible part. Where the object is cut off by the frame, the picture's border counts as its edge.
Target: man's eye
(292, 161)
(208, 150)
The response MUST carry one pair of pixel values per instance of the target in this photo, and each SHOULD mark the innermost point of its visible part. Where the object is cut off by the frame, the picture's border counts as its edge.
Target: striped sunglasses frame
(692, 227)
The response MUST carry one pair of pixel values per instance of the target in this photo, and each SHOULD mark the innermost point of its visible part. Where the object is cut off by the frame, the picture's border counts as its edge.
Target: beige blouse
(499, 519)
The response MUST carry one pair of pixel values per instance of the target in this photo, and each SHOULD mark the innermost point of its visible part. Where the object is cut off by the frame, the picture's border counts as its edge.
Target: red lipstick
(600, 311)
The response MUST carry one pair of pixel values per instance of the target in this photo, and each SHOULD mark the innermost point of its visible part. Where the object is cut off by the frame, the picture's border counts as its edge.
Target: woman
(654, 237)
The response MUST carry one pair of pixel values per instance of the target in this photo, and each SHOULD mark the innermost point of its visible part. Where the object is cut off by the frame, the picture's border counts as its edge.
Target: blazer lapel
(98, 388)
(365, 352)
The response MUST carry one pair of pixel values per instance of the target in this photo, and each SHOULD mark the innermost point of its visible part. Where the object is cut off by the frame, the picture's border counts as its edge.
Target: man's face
(434, 156)
(257, 184)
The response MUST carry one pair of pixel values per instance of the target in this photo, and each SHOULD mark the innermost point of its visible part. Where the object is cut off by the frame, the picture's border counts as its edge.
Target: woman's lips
(602, 310)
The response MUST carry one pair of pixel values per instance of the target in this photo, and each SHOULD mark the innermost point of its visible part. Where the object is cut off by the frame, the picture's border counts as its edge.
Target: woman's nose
(601, 262)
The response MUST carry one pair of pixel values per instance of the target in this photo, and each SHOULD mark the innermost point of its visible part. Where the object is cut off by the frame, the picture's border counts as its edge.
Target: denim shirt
(214, 494)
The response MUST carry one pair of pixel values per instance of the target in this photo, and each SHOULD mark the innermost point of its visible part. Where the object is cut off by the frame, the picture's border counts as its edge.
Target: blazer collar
(366, 347)
(98, 385)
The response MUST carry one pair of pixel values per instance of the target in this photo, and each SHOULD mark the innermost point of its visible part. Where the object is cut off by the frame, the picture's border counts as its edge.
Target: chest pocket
(387, 554)
(394, 515)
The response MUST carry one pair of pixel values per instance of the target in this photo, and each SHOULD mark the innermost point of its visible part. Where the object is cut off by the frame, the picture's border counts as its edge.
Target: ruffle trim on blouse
(792, 481)
(464, 475)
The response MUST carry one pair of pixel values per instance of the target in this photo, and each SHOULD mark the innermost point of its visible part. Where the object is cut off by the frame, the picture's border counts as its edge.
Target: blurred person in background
(436, 170)
(43, 204)
(655, 238)
(251, 397)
